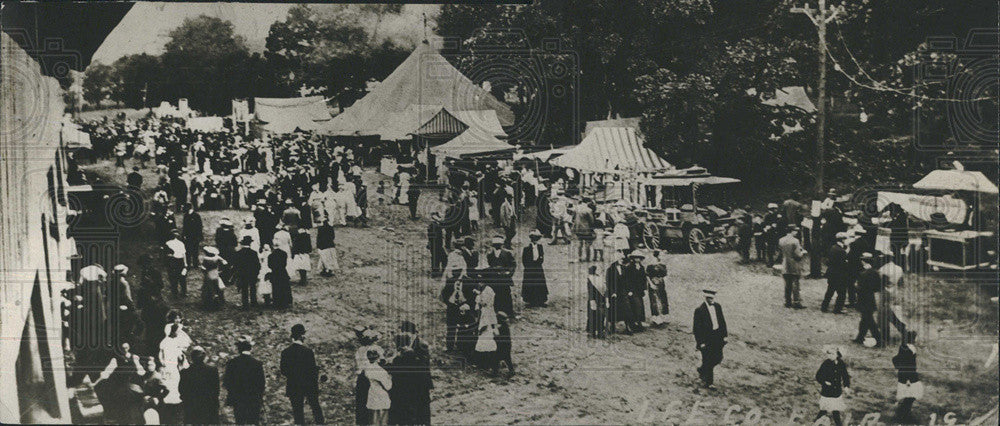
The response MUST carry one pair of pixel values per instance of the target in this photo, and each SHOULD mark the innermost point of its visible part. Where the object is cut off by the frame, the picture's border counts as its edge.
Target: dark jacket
(301, 243)
(298, 365)
(837, 267)
(869, 283)
(325, 237)
(192, 230)
(833, 378)
(246, 265)
(244, 381)
(199, 391)
(906, 365)
(528, 260)
(703, 333)
(635, 279)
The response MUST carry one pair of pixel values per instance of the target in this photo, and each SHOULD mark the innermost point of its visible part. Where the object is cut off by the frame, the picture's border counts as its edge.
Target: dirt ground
(563, 377)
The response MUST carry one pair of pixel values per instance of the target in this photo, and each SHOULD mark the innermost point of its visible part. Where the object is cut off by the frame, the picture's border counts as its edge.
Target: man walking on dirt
(792, 253)
(710, 336)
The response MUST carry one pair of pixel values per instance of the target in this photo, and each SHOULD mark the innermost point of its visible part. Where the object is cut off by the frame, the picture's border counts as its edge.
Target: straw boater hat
(534, 235)
(225, 222)
(496, 240)
(708, 292)
(121, 269)
(211, 251)
(772, 205)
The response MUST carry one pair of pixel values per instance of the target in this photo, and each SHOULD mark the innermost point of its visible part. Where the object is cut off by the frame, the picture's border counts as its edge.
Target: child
(835, 382)
(264, 289)
(465, 339)
(503, 344)
(598, 245)
(378, 389)
(473, 211)
(909, 388)
(380, 191)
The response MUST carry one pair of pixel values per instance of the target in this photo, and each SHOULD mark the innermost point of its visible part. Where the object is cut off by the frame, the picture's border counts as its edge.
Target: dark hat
(939, 219)
(408, 327)
(247, 240)
(709, 292)
(298, 330)
(535, 235)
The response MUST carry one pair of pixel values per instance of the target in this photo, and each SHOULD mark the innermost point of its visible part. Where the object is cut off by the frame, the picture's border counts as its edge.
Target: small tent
(612, 150)
(284, 115)
(957, 180)
(471, 142)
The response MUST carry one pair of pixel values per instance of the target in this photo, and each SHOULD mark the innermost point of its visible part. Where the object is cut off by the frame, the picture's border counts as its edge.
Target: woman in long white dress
(348, 188)
(404, 187)
(336, 210)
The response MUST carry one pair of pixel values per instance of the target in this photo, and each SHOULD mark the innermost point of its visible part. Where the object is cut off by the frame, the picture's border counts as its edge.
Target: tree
(331, 50)
(207, 63)
(98, 83)
(136, 77)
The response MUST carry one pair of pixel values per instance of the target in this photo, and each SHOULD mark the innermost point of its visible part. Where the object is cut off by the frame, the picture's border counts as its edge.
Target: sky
(144, 29)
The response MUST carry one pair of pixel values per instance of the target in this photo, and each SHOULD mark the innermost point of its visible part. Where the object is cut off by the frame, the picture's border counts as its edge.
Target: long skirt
(534, 290)
(832, 404)
(328, 259)
(281, 289)
(597, 317)
(361, 414)
(913, 390)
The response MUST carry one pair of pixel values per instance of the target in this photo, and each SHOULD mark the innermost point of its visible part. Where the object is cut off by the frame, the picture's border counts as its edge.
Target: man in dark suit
(199, 390)
(193, 233)
(361, 198)
(869, 283)
(620, 305)
(435, 243)
(298, 365)
(502, 264)
(244, 382)
(246, 268)
(710, 336)
(636, 283)
(837, 274)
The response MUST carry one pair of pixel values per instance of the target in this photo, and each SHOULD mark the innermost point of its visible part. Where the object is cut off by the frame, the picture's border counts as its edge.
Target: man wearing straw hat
(837, 274)
(710, 334)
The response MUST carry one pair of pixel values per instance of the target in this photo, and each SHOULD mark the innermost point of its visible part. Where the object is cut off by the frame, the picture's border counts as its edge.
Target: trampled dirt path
(565, 378)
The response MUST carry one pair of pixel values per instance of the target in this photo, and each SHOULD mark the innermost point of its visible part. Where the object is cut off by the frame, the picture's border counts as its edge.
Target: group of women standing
(392, 388)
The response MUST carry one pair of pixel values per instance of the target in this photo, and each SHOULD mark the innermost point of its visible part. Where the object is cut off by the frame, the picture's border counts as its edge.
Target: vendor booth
(953, 212)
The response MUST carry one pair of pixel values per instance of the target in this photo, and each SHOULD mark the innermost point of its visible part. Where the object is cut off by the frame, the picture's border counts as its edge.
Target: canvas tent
(415, 118)
(631, 122)
(471, 142)
(612, 150)
(793, 96)
(957, 180)
(424, 78)
(284, 115)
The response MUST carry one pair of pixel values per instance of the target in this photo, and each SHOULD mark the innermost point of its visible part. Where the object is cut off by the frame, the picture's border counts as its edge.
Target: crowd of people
(300, 182)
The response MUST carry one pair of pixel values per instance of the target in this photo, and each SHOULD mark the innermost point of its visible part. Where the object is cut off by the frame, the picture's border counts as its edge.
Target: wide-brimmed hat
(709, 292)
(535, 234)
(211, 251)
(496, 241)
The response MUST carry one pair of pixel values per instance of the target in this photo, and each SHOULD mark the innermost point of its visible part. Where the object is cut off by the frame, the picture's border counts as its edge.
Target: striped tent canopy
(424, 78)
(471, 142)
(284, 115)
(612, 150)
(405, 123)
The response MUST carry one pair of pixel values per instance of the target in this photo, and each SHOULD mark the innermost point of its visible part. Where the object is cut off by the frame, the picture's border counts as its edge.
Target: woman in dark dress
(281, 283)
(411, 385)
(597, 304)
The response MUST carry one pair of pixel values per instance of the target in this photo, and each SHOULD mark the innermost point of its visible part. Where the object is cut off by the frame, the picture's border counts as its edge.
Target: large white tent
(424, 78)
(612, 150)
(471, 142)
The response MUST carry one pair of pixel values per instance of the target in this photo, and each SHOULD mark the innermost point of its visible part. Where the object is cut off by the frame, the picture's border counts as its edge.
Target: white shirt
(711, 314)
(534, 252)
(177, 248)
